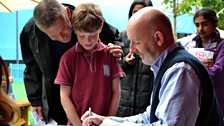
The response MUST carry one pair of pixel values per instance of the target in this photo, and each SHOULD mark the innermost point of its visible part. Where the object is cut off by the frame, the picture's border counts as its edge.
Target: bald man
(182, 91)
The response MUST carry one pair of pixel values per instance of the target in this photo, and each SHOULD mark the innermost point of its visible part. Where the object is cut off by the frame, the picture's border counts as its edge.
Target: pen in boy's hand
(90, 114)
(90, 111)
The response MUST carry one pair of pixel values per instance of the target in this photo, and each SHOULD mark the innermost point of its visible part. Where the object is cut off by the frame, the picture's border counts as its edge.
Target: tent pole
(17, 44)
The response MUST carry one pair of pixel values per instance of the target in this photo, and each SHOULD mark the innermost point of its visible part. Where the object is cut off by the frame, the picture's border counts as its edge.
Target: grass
(20, 93)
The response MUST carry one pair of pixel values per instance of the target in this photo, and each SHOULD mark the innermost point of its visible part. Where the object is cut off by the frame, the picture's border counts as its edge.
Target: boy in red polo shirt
(88, 74)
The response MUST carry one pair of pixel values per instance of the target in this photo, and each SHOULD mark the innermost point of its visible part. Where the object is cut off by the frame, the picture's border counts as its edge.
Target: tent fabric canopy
(184, 24)
(13, 5)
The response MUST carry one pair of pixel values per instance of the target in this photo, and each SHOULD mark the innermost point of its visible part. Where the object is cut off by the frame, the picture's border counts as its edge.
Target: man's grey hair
(47, 12)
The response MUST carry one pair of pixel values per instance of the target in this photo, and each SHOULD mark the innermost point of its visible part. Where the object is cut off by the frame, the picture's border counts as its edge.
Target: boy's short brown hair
(87, 17)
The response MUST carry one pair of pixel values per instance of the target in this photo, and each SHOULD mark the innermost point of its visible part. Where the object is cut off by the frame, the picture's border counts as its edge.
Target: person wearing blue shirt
(182, 90)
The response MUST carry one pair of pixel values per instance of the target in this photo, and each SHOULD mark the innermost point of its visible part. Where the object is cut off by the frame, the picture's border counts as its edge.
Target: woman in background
(136, 87)
(9, 111)
(208, 37)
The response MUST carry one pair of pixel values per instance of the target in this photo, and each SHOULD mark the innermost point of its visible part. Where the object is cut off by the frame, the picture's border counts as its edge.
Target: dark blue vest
(209, 114)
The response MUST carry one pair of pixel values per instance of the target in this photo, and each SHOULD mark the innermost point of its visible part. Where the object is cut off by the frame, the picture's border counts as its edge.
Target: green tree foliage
(185, 7)
(181, 7)
(218, 7)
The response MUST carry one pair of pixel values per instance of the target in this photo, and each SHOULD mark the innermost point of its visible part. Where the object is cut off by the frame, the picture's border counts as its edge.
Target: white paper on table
(39, 122)
(201, 53)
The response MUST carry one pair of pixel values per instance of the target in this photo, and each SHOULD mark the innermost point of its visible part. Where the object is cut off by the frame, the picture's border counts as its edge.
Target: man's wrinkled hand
(116, 51)
(39, 111)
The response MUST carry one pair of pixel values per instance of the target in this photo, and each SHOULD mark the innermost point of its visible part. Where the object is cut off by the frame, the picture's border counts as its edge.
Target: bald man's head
(150, 20)
(150, 33)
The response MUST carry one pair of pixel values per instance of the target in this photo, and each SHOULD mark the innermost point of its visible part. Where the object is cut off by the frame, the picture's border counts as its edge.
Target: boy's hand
(93, 120)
